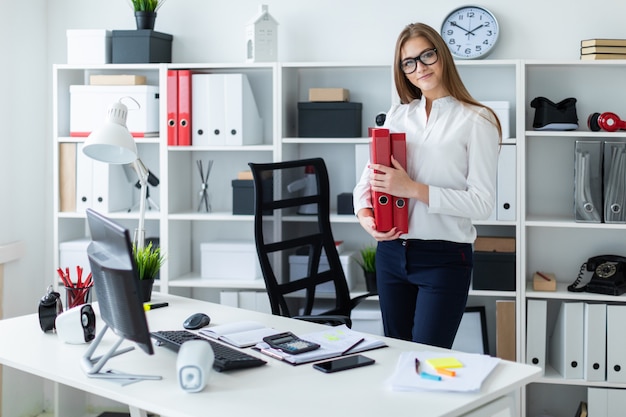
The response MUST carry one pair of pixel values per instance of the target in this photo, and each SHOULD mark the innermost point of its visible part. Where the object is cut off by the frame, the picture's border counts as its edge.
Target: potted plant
(368, 263)
(145, 12)
(149, 261)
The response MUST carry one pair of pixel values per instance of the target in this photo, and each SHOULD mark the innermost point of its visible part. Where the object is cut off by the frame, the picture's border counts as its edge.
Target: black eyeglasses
(409, 65)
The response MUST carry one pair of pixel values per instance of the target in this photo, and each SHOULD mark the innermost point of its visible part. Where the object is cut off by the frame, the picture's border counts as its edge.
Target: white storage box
(92, 46)
(351, 269)
(229, 260)
(73, 253)
(502, 111)
(367, 320)
(89, 105)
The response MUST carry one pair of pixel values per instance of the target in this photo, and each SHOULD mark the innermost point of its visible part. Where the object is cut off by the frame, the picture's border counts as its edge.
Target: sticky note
(448, 362)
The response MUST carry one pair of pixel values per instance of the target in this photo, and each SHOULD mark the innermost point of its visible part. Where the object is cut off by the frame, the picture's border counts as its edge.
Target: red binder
(184, 107)
(400, 204)
(172, 107)
(380, 153)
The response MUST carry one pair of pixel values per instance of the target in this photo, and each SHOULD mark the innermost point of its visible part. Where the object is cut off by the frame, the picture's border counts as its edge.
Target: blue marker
(426, 375)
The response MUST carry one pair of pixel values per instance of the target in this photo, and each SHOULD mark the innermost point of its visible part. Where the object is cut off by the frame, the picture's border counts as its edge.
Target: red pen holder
(75, 296)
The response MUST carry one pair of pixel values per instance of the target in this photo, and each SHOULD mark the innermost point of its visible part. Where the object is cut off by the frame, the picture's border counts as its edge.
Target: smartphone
(290, 343)
(341, 364)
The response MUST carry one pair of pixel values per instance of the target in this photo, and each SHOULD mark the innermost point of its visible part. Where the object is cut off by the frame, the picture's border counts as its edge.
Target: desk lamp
(113, 144)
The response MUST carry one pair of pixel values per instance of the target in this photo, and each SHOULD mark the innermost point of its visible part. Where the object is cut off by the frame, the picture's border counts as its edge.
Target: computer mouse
(196, 321)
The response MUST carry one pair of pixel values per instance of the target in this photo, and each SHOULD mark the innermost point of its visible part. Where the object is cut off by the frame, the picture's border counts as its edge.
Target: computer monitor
(115, 281)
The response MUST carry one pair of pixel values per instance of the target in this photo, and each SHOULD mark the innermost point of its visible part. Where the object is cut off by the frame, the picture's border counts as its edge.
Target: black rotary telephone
(609, 275)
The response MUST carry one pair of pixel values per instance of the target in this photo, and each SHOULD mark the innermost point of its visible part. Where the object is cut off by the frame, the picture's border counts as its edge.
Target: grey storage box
(140, 46)
(329, 120)
(243, 195)
(494, 271)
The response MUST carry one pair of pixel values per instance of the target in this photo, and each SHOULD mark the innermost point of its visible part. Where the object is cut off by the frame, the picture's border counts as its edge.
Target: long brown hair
(450, 76)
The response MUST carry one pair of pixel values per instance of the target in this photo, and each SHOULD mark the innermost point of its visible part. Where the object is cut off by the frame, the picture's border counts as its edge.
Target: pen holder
(75, 296)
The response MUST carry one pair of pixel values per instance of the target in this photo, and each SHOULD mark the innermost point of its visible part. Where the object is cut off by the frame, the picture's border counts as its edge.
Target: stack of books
(592, 49)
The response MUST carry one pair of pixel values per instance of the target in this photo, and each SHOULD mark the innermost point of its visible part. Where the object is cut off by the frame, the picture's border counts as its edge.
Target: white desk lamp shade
(112, 143)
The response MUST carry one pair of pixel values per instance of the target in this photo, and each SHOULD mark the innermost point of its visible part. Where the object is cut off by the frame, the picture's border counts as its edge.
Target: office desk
(264, 391)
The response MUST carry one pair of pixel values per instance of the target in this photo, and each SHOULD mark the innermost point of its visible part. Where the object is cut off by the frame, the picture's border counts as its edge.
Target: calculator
(290, 343)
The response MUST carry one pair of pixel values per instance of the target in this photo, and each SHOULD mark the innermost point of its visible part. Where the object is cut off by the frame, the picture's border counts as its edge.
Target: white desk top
(258, 392)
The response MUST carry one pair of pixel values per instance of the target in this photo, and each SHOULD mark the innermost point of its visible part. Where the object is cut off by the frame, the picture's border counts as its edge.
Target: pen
(147, 307)
(543, 276)
(417, 366)
(271, 354)
(353, 346)
(447, 372)
(426, 375)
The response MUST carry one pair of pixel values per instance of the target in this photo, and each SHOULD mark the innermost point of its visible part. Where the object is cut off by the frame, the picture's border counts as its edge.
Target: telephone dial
(609, 275)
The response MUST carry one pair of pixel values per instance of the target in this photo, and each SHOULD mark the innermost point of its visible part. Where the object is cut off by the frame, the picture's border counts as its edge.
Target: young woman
(452, 153)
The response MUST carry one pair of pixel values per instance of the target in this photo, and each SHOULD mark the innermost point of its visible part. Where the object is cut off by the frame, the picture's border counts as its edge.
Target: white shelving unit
(547, 237)
(552, 240)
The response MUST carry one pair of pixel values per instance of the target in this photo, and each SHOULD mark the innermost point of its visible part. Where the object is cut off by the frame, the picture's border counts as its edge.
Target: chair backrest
(312, 236)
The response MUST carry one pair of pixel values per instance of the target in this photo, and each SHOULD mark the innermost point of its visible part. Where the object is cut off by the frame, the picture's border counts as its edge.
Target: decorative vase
(370, 282)
(145, 20)
(145, 289)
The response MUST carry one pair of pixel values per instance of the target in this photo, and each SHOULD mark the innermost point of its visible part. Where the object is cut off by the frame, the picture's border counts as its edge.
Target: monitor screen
(116, 280)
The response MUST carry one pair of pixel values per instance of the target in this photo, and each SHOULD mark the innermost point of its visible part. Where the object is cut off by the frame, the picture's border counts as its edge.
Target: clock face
(470, 32)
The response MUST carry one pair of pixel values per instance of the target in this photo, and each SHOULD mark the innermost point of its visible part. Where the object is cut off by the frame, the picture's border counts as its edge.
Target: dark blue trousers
(422, 288)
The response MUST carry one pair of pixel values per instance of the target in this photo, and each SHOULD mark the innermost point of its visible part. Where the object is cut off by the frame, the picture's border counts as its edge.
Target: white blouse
(454, 152)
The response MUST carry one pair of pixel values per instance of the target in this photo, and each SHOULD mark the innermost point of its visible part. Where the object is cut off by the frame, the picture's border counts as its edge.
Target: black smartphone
(290, 343)
(341, 364)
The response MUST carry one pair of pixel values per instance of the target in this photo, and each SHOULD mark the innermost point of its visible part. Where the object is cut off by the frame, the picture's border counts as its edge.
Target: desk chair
(313, 238)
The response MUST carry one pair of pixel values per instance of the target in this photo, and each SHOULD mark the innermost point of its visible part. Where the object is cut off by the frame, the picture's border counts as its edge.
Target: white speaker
(77, 325)
(193, 365)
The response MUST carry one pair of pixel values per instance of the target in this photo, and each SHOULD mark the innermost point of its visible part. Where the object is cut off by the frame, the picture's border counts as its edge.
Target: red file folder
(380, 153)
(172, 107)
(400, 204)
(184, 107)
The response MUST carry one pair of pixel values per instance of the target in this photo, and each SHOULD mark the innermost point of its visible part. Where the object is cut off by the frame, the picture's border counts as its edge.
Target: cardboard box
(494, 271)
(92, 46)
(544, 282)
(140, 46)
(231, 260)
(494, 244)
(113, 79)
(329, 94)
(89, 105)
(351, 269)
(501, 108)
(329, 120)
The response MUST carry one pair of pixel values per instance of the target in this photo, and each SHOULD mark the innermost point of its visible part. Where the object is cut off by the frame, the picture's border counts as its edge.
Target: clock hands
(467, 32)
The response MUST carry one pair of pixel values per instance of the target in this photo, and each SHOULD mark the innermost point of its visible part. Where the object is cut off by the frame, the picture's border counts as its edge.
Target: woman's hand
(366, 218)
(395, 181)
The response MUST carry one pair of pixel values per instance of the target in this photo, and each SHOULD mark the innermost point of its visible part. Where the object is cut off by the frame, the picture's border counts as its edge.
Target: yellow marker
(148, 307)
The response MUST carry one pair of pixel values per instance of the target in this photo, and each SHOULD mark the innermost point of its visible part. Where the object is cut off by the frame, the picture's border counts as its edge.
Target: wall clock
(471, 32)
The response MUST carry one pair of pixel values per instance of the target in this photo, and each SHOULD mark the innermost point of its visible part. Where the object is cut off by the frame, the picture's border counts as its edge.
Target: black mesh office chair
(313, 238)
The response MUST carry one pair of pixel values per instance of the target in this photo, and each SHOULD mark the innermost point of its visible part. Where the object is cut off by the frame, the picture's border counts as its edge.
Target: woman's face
(428, 78)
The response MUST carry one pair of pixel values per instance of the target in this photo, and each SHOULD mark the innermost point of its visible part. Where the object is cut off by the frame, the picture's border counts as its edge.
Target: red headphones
(605, 121)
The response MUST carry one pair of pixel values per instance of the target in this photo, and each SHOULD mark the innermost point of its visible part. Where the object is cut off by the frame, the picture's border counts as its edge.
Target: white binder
(536, 316)
(200, 115)
(597, 402)
(566, 342)
(615, 343)
(594, 348)
(84, 176)
(506, 190)
(243, 124)
(111, 190)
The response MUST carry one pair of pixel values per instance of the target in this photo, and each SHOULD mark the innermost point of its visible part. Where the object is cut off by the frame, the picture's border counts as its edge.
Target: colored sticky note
(448, 362)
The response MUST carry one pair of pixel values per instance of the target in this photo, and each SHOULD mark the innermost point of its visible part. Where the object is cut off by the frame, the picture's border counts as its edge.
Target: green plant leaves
(149, 260)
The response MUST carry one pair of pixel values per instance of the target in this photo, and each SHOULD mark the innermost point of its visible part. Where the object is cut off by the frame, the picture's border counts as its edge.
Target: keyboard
(226, 358)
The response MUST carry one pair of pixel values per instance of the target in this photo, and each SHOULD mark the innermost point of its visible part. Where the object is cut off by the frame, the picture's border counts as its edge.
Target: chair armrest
(331, 320)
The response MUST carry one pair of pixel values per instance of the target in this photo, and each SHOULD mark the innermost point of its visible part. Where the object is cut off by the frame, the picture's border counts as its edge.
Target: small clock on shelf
(471, 32)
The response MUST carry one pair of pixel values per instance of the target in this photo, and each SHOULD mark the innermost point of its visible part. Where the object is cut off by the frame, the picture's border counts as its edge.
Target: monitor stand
(93, 365)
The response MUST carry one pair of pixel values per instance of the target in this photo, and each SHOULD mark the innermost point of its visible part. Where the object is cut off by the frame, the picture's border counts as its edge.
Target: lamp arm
(142, 173)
